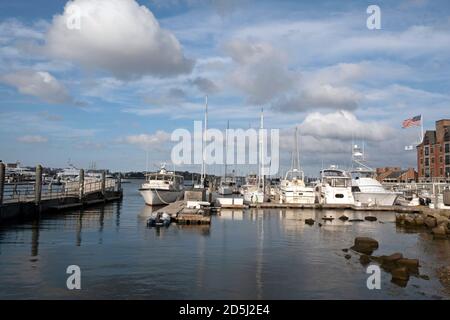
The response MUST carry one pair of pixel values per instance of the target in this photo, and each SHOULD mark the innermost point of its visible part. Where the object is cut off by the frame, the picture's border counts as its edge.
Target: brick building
(433, 154)
(396, 174)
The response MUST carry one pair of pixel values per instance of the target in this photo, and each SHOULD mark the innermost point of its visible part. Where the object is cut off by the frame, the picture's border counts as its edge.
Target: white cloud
(39, 84)
(118, 36)
(343, 125)
(146, 141)
(261, 72)
(320, 96)
(32, 139)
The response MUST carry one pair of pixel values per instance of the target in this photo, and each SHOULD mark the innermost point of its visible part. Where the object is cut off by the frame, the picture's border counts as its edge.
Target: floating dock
(182, 214)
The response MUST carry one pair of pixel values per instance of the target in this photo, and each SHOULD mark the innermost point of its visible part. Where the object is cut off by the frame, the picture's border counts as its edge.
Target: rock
(400, 219)
(389, 262)
(355, 220)
(392, 258)
(365, 245)
(347, 256)
(424, 277)
(411, 264)
(370, 218)
(419, 220)
(441, 220)
(439, 232)
(409, 221)
(319, 224)
(343, 218)
(401, 274)
(430, 222)
(309, 221)
(364, 259)
(345, 250)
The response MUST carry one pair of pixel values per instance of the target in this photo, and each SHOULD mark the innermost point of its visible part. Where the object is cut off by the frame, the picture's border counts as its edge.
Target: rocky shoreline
(437, 223)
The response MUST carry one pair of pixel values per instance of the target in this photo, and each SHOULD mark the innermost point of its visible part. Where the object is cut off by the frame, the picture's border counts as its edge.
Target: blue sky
(135, 71)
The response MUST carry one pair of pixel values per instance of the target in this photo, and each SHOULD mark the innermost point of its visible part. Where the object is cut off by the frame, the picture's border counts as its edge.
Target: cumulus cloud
(205, 85)
(39, 84)
(261, 71)
(118, 36)
(323, 96)
(343, 125)
(148, 141)
(32, 139)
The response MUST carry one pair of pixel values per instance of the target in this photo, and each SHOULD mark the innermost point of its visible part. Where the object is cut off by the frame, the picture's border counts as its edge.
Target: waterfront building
(433, 154)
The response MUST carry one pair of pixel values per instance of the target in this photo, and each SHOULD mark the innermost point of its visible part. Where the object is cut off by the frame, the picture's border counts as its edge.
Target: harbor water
(251, 254)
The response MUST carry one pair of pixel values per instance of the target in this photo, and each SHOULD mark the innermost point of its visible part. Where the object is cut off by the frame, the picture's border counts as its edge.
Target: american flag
(414, 121)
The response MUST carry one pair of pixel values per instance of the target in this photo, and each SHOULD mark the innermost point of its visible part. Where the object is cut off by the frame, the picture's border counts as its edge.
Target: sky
(135, 71)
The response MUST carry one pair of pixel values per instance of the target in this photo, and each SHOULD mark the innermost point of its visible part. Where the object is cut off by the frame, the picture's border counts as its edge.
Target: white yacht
(292, 187)
(226, 187)
(162, 188)
(294, 190)
(366, 189)
(335, 187)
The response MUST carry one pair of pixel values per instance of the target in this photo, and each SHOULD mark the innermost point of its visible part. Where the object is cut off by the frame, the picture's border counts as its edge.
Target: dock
(182, 214)
(33, 199)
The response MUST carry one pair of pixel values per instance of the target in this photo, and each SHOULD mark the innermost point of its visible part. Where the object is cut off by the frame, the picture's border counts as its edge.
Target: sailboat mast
(261, 170)
(297, 154)
(203, 176)
(226, 148)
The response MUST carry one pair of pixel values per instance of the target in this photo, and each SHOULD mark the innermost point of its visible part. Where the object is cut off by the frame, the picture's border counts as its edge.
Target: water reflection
(243, 254)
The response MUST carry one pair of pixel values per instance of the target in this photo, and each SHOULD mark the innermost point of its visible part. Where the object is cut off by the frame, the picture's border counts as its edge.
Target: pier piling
(38, 185)
(81, 178)
(103, 183)
(2, 181)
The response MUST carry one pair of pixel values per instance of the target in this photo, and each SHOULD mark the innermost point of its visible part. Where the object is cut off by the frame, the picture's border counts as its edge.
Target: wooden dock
(33, 199)
(179, 213)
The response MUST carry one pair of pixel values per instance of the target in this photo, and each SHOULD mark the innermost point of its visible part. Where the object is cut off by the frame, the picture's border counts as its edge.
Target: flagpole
(421, 129)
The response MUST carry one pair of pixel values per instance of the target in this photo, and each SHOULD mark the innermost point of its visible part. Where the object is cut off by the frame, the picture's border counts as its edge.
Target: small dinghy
(159, 220)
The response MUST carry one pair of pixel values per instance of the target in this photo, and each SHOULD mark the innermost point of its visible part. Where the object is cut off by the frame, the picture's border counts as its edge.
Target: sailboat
(292, 187)
(256, 193)
(227, 183)
(202, 184)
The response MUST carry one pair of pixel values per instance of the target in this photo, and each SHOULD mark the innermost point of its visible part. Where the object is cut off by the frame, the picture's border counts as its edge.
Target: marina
(257, 253)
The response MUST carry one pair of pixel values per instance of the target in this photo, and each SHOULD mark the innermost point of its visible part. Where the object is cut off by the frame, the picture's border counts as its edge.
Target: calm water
(268, 254)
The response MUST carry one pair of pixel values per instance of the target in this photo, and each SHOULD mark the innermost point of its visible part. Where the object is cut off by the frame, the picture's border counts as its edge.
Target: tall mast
(202, 179)
(226, 148)
(297, 154)
(261, 157)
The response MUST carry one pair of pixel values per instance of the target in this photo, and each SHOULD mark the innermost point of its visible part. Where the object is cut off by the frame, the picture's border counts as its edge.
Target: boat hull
(253, 197)
(300, 197)
(153, 197)
(225, 190)
(375, 198)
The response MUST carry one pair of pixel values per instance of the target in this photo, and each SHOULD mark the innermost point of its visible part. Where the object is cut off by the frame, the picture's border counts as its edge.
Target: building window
(431, 150)
(441, 160)
(427, 161)
(447, 147)
(447, 160)
(447, 171)
(427, 151)
(432, 160)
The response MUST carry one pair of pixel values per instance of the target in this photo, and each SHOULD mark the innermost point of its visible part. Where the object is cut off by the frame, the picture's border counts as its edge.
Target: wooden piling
(81, 178)
(2, 181)
(103, 183)
(119, 182)
(38, 185)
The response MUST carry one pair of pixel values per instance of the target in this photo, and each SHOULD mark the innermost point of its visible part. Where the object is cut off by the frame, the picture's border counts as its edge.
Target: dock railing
(38, 190)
